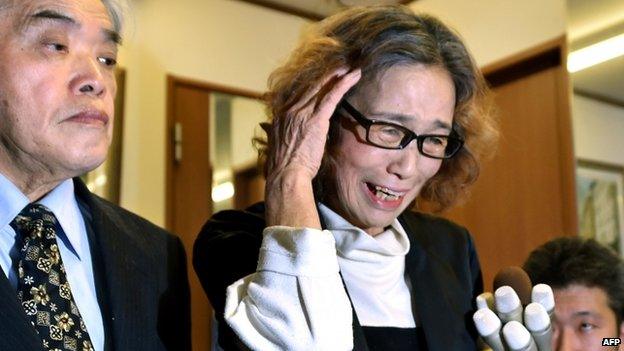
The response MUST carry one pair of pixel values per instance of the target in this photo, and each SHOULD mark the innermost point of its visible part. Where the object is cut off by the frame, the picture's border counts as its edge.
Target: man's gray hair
(115, 10)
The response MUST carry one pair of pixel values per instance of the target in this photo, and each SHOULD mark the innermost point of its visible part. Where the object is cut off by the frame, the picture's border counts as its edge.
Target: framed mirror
(105, 180)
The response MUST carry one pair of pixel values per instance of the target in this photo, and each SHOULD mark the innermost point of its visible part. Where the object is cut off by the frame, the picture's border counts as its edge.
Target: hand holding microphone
(502, 319)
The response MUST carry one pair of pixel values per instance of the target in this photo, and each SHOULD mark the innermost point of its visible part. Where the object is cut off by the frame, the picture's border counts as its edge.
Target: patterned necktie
(42, 286)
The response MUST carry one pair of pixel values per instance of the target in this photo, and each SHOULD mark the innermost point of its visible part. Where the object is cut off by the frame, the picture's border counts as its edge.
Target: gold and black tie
(42, 286)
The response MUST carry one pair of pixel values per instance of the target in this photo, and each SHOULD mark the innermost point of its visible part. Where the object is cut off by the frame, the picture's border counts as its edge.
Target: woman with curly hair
(377, 107)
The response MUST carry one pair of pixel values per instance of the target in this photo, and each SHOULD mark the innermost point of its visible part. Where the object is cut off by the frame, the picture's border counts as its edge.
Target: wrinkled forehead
(23, 12)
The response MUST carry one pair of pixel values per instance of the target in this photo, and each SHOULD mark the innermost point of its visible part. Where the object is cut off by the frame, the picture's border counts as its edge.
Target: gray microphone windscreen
(543, 295)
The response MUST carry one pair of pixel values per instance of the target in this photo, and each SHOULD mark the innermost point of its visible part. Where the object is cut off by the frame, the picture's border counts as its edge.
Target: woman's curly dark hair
(375, 39)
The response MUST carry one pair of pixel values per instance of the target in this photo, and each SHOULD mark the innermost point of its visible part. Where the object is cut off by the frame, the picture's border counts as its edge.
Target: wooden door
(525, 196)
(248, 186)
(188, 187)
(189, 180)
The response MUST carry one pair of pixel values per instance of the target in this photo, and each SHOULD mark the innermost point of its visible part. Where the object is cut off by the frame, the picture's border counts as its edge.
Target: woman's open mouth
(385, 195)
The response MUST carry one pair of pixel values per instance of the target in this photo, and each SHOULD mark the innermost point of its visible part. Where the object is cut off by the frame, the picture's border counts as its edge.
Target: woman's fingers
(299, 142)
(325, 108)
(309, 97)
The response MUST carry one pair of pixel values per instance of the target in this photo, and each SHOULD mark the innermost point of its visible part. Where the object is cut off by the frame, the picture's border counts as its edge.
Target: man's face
(582, 319)
(57, 87)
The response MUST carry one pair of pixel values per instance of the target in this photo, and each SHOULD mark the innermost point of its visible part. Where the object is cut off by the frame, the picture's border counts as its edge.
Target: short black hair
(572, 260)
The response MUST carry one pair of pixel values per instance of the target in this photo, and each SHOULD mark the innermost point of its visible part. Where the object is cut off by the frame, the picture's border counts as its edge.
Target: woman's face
(421, 98)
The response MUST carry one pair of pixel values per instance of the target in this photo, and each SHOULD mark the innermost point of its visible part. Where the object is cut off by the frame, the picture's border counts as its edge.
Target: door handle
(177, 142)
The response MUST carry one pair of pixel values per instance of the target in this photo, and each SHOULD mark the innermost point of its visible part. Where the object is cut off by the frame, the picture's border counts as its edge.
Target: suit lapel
(126, 281)
(101, 287)
(122, 275)
(16, 333)
(430, 294)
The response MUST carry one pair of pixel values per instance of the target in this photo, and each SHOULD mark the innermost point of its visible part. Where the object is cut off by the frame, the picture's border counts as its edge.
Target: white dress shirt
(73, 247)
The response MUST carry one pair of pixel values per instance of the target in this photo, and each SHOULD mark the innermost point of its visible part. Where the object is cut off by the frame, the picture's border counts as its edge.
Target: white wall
(496, 29)
(247, 114)
(220, 41)
(238, 44)
(598, 130)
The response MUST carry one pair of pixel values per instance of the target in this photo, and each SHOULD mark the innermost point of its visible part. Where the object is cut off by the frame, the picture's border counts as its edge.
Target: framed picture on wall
(600, 191)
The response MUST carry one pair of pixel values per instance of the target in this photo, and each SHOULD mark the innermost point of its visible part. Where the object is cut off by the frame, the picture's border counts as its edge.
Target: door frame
(172, 82)
(197, 294)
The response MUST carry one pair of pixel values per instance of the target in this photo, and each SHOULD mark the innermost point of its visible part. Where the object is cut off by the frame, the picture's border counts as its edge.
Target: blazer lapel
(16, 332)
(431, 297)
(359, 339)
(125, 277)
(122, 275)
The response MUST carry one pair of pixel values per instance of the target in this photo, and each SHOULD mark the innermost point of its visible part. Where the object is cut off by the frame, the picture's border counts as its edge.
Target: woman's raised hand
(299, 141)
(298, 144)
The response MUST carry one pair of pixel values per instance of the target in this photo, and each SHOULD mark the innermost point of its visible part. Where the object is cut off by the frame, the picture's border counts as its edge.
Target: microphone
(516, 278)
(485, 300)
(489, 326)
(543, 295)
(508, 305)
(537, 322)
(513, 291)
(518, 338)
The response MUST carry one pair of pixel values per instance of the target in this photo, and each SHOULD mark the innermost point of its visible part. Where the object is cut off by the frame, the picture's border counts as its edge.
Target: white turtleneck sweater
(296, 299)
(373, 269)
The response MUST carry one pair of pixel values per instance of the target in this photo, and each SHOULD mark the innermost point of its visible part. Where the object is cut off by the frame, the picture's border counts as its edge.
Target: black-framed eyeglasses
(388, 135)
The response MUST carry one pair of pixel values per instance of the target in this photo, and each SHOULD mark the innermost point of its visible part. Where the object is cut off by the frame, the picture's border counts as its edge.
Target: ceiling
(319, 9)
(589, 22)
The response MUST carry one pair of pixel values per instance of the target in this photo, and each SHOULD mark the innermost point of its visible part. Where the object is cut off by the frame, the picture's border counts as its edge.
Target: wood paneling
(189, 180)
(248, 186)
(525, 195)
(189, 188)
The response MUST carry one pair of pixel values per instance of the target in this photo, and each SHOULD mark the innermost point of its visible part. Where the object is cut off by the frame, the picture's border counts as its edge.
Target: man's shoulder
(124, 217)
(114, 227)
(105, 213)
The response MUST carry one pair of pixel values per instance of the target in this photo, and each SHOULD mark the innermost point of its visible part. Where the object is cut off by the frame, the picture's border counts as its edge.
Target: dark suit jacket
(442, 265)
(141, 284)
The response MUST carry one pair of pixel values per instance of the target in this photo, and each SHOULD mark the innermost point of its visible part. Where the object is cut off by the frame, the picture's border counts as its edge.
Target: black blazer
(442, 265)
(141, 284)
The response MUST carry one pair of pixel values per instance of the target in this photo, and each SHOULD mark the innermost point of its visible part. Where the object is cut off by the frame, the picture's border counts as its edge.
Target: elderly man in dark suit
(78, 272)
